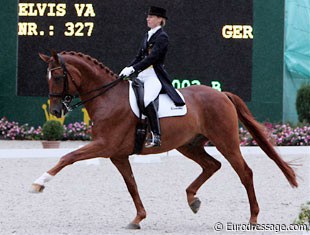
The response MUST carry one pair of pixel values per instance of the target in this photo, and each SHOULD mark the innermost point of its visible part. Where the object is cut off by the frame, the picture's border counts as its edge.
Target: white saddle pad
(166, 106)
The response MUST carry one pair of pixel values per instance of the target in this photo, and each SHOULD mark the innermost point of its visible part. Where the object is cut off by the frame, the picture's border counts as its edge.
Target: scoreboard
(210, 40)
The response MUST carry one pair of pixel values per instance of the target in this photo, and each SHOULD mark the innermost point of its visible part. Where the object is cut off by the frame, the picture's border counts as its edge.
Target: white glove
(127, 71)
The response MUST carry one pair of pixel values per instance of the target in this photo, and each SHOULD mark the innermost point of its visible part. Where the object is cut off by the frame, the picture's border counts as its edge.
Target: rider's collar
(152, 31)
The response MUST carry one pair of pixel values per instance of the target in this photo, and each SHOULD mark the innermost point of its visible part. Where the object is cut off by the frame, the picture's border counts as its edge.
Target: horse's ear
(45, 58)
(55, 56)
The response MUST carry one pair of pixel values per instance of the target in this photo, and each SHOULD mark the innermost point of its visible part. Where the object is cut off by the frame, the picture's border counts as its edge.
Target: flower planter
(50, 144)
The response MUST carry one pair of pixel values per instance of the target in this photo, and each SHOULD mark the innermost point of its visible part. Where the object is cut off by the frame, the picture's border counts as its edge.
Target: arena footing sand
(91, 198)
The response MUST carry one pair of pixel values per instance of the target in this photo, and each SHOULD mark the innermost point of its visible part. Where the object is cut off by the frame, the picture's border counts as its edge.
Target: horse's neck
(110, 103)
(92, 78)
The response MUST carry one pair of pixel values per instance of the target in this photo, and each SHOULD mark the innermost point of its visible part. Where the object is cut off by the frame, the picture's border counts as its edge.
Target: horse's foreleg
(209, 167)
(123, 165)
(89, 151)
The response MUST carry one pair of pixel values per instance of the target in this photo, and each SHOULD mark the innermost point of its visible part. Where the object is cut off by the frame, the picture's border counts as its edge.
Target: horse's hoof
(36, 188)
(195, 205)
(253, 223)
(133, 226)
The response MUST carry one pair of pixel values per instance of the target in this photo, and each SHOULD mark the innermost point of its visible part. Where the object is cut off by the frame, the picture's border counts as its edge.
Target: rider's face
(153, 21)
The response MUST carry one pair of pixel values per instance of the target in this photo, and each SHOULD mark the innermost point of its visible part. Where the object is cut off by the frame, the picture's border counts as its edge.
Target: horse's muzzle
(57, 113)
(58, 110)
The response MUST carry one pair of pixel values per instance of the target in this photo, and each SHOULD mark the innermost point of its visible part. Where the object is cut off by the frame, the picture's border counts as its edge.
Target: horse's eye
(58, 77)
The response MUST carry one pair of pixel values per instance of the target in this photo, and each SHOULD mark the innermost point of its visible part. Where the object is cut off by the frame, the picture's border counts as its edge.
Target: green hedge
(303, 104)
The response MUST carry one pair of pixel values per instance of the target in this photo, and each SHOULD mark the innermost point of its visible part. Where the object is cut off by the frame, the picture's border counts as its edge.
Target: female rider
(149, 65)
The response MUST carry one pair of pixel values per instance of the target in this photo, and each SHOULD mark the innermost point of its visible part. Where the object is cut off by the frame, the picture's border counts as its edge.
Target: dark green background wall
(267, 87)
(17, 108)
(267, 91)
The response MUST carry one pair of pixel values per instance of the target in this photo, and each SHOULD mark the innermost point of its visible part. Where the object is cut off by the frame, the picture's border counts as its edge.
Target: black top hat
(157, 11)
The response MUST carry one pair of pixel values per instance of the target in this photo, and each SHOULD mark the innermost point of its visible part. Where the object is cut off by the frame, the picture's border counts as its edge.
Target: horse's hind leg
(195, 151)
(246, 176)
(231, 151)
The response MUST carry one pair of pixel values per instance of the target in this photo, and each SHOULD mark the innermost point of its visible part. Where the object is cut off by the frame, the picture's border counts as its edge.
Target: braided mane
(93, 60)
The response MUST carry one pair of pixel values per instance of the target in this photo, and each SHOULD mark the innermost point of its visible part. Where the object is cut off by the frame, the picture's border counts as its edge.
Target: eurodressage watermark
(234, 227)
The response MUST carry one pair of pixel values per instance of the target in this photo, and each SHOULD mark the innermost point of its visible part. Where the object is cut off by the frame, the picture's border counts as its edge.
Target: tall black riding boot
(151, 113)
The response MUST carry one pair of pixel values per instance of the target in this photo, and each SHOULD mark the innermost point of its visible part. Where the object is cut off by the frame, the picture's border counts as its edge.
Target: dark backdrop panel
(197, 49)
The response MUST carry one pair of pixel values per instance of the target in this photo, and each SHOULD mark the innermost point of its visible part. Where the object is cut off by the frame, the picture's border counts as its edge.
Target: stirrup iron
(153, 142)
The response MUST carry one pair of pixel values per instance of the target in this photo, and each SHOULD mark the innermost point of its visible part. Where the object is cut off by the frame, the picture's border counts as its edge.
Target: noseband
(66, 97)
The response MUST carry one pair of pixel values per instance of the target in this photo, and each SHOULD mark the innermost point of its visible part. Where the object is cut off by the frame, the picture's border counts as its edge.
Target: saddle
(164, 104)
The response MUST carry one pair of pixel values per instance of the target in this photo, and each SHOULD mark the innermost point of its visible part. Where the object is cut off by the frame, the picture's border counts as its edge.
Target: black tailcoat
(153, 52)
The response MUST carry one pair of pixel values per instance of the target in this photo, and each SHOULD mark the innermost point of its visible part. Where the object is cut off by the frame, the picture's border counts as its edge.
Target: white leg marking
(46, 177)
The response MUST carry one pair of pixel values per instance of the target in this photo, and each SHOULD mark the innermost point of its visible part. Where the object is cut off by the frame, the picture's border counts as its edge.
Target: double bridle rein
(66, 97)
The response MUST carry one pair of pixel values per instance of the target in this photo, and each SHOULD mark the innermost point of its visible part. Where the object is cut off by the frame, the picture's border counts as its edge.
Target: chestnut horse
(211, 115)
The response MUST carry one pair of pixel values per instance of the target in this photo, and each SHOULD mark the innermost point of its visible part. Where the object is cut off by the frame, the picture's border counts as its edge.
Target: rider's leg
(154, 140)
(152, 87)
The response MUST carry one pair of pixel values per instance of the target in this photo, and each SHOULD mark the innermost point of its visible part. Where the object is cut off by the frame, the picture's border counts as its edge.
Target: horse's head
(70, 74)
(60, 88)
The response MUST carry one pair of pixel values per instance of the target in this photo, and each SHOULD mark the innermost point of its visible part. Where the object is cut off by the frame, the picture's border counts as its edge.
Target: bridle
(66, 97)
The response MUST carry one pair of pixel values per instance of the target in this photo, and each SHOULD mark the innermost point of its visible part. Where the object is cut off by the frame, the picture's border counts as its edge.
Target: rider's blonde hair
(163, 22)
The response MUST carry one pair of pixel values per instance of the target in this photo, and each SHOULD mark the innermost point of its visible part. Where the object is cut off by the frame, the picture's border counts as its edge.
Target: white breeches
(152, 85)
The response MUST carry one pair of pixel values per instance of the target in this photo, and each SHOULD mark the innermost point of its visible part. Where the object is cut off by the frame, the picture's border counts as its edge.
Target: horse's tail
(259, 135)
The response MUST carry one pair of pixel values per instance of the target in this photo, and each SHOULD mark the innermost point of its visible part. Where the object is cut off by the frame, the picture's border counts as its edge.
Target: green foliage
(304, 215)
(53, 130)
(303, 103)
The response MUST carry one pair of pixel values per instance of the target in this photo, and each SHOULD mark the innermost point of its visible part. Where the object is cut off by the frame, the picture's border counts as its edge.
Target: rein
(106, 87)
(67, 97)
